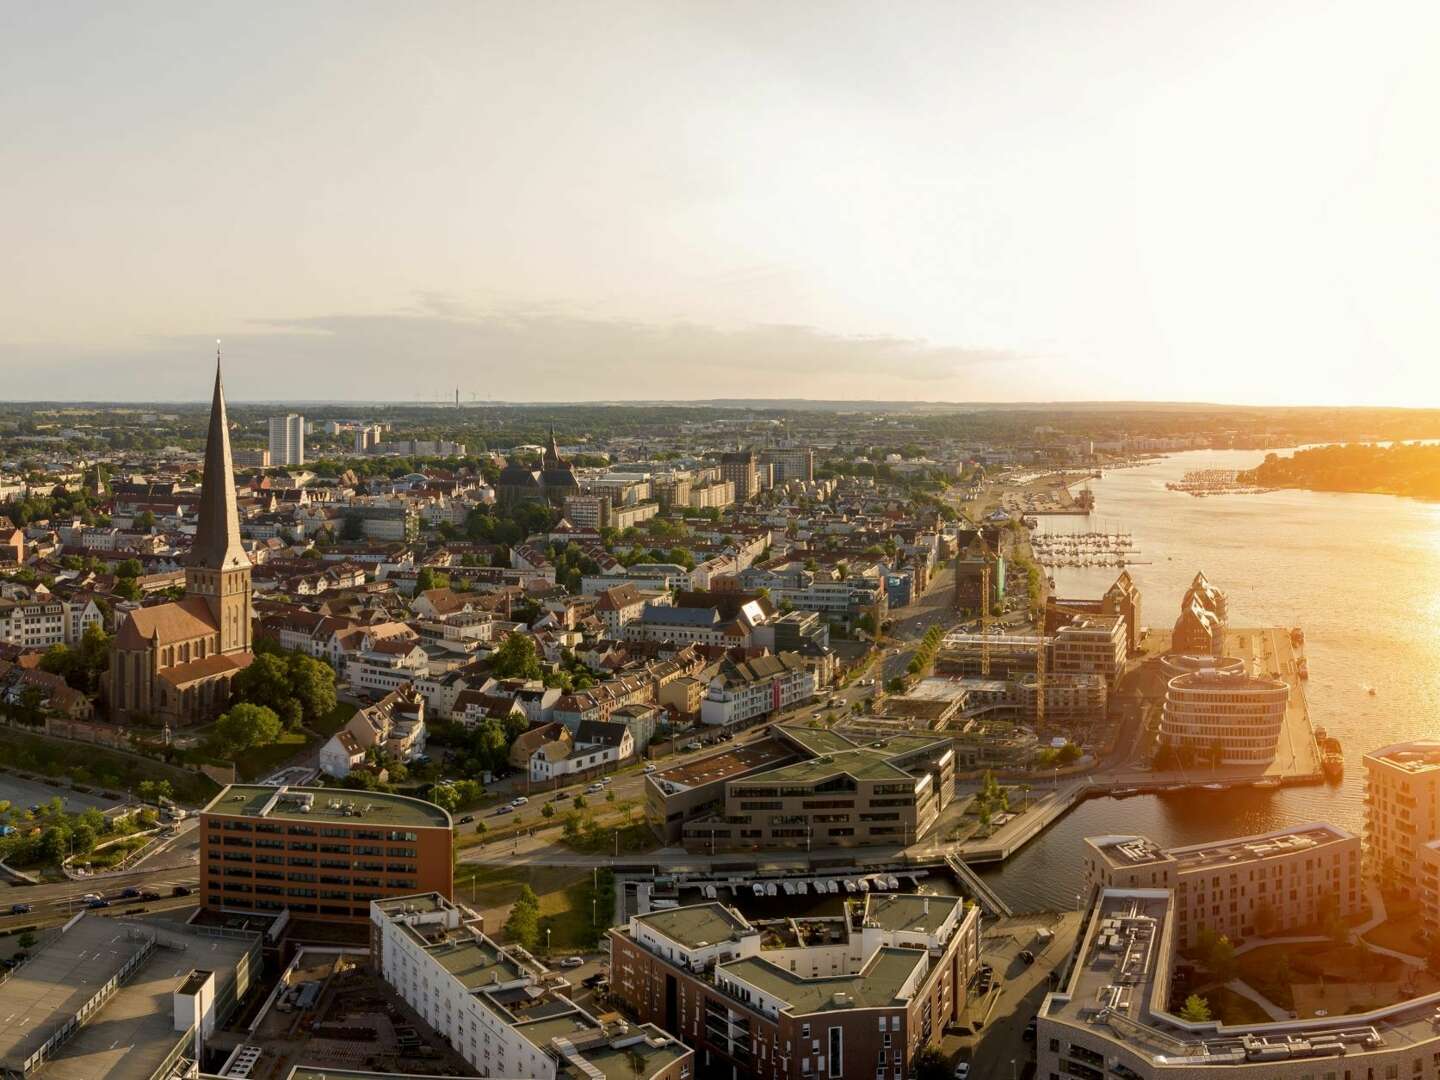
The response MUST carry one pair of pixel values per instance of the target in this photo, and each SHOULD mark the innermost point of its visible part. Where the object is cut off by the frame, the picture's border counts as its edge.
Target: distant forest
(1402, 469)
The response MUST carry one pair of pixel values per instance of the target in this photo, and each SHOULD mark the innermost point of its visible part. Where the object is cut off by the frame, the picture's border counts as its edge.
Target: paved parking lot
(24, 794)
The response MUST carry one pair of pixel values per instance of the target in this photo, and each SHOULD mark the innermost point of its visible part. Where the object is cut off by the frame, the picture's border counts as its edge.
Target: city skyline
(959, 204)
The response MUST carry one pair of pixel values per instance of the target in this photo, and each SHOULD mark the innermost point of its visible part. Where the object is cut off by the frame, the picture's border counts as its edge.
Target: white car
(649, 768)
(962, 1070)
(593, 788)
(519, 800)
(572, 962)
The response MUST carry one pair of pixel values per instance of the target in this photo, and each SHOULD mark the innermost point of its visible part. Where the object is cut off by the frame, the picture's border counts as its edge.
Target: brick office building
(321, 853)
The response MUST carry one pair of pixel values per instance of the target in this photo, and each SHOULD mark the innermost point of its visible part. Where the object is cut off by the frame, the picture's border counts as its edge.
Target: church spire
(217, 537)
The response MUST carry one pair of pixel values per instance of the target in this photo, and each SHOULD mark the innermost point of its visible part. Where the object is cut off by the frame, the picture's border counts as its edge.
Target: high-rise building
(1402, 811)
(741, 469)
(790, 463)
(287, 439)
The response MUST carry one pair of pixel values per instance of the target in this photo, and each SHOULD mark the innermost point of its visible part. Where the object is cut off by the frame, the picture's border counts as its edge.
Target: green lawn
(335, 719)
(565, 895)
(262, 761)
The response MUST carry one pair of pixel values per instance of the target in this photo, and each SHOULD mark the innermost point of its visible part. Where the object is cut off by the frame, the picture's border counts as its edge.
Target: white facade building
(287, 440)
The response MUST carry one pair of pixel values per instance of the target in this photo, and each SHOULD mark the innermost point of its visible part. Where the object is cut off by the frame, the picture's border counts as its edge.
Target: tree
(1221, 959)
(929, 1063)
(1067, 754)
(53, 844)
(312, 682)
(580, 802)
(516, 659)
(82, 839)
(547, 811)
(27, 940)
(443, 796)
(425, 580)
(129, 568)
(247, 726)
(144, 521)
(1196, 1010)
(523, 925)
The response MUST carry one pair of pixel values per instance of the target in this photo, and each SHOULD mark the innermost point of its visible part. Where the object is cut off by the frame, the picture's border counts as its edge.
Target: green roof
(326, 804)
(864, 764)
(818, 740)
(697, 925)
(875, 987)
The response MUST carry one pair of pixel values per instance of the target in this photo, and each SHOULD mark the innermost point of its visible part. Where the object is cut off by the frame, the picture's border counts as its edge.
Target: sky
(1073, 200)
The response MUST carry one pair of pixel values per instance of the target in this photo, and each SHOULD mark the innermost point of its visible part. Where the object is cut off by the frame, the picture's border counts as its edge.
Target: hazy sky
(959, 201)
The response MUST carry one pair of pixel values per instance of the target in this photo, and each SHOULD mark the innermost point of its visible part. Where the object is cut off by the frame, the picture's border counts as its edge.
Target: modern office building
(287, 440)
(852, 996)
(827, 791)
(1270, 882)
(1227, 718)
(320, 853)
(1112, 1019)
(501, 1009)
(1402, 814)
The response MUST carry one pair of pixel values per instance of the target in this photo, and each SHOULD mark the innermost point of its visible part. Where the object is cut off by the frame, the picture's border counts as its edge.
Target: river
(1360, 574)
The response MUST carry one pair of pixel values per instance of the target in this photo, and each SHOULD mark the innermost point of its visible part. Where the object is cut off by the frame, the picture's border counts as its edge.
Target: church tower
(218, 570)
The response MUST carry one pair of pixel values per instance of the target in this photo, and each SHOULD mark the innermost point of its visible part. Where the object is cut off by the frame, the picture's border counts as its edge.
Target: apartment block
(500, 1008)
(1402, 812)
(320, 853)
(789, 463)
(1091, 645)
(853, 996)
(745, 689)
(1252, 884)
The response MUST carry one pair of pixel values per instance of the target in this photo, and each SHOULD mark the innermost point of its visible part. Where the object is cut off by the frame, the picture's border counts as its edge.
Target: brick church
(174, 662)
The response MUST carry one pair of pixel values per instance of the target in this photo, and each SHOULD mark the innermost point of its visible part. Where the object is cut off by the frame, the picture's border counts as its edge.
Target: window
(837, 1065)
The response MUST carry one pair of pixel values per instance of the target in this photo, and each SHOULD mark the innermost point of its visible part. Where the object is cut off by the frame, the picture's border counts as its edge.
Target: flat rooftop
(423, 903)
(64, 973)
(697, 925)
(326, 804)
(134, 1032)
(877, 985)
(728, 763)
(475, 962)
(1263, 846)
(614, 1062)
(934, 688)
(905, 911)
(1416, 756)
(1120, 956)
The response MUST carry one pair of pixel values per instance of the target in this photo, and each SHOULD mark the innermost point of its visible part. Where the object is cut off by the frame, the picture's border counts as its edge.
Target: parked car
(505, 810)
(594, 788)
(606, 781)
(572, 962)
(962, 1070)
(649, 768)
(1029, 1034)
(595, 980)
(1027, 956)
(519, 800)
(98, 902)
(20, 909)
(90, 896)
(129, 893)
(467, 819)
(149, 894)
(692, 746)
(181, 890)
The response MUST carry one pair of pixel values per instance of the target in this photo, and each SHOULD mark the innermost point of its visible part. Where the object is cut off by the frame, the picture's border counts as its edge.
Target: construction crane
(1040, 681)
(985, 607)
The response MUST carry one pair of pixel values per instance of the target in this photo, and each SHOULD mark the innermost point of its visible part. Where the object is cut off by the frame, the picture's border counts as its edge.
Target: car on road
(90, 896)
(595, 980)
(606, 781)
(962, 1070)
(519, 800)
(466, 819)
(149, 894)
(649, 768)
(504, 810)
(20, 909)
(181, 890)
(593, 788)
(98, 902)
(129, 893)
(573, 962)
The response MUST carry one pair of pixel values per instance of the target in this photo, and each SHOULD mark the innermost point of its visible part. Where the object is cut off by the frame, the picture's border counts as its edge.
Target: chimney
(927, 906)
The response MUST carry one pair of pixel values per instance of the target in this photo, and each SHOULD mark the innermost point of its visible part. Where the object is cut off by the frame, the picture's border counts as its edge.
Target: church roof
(217, 537)
(182, 675)
(181, 620)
